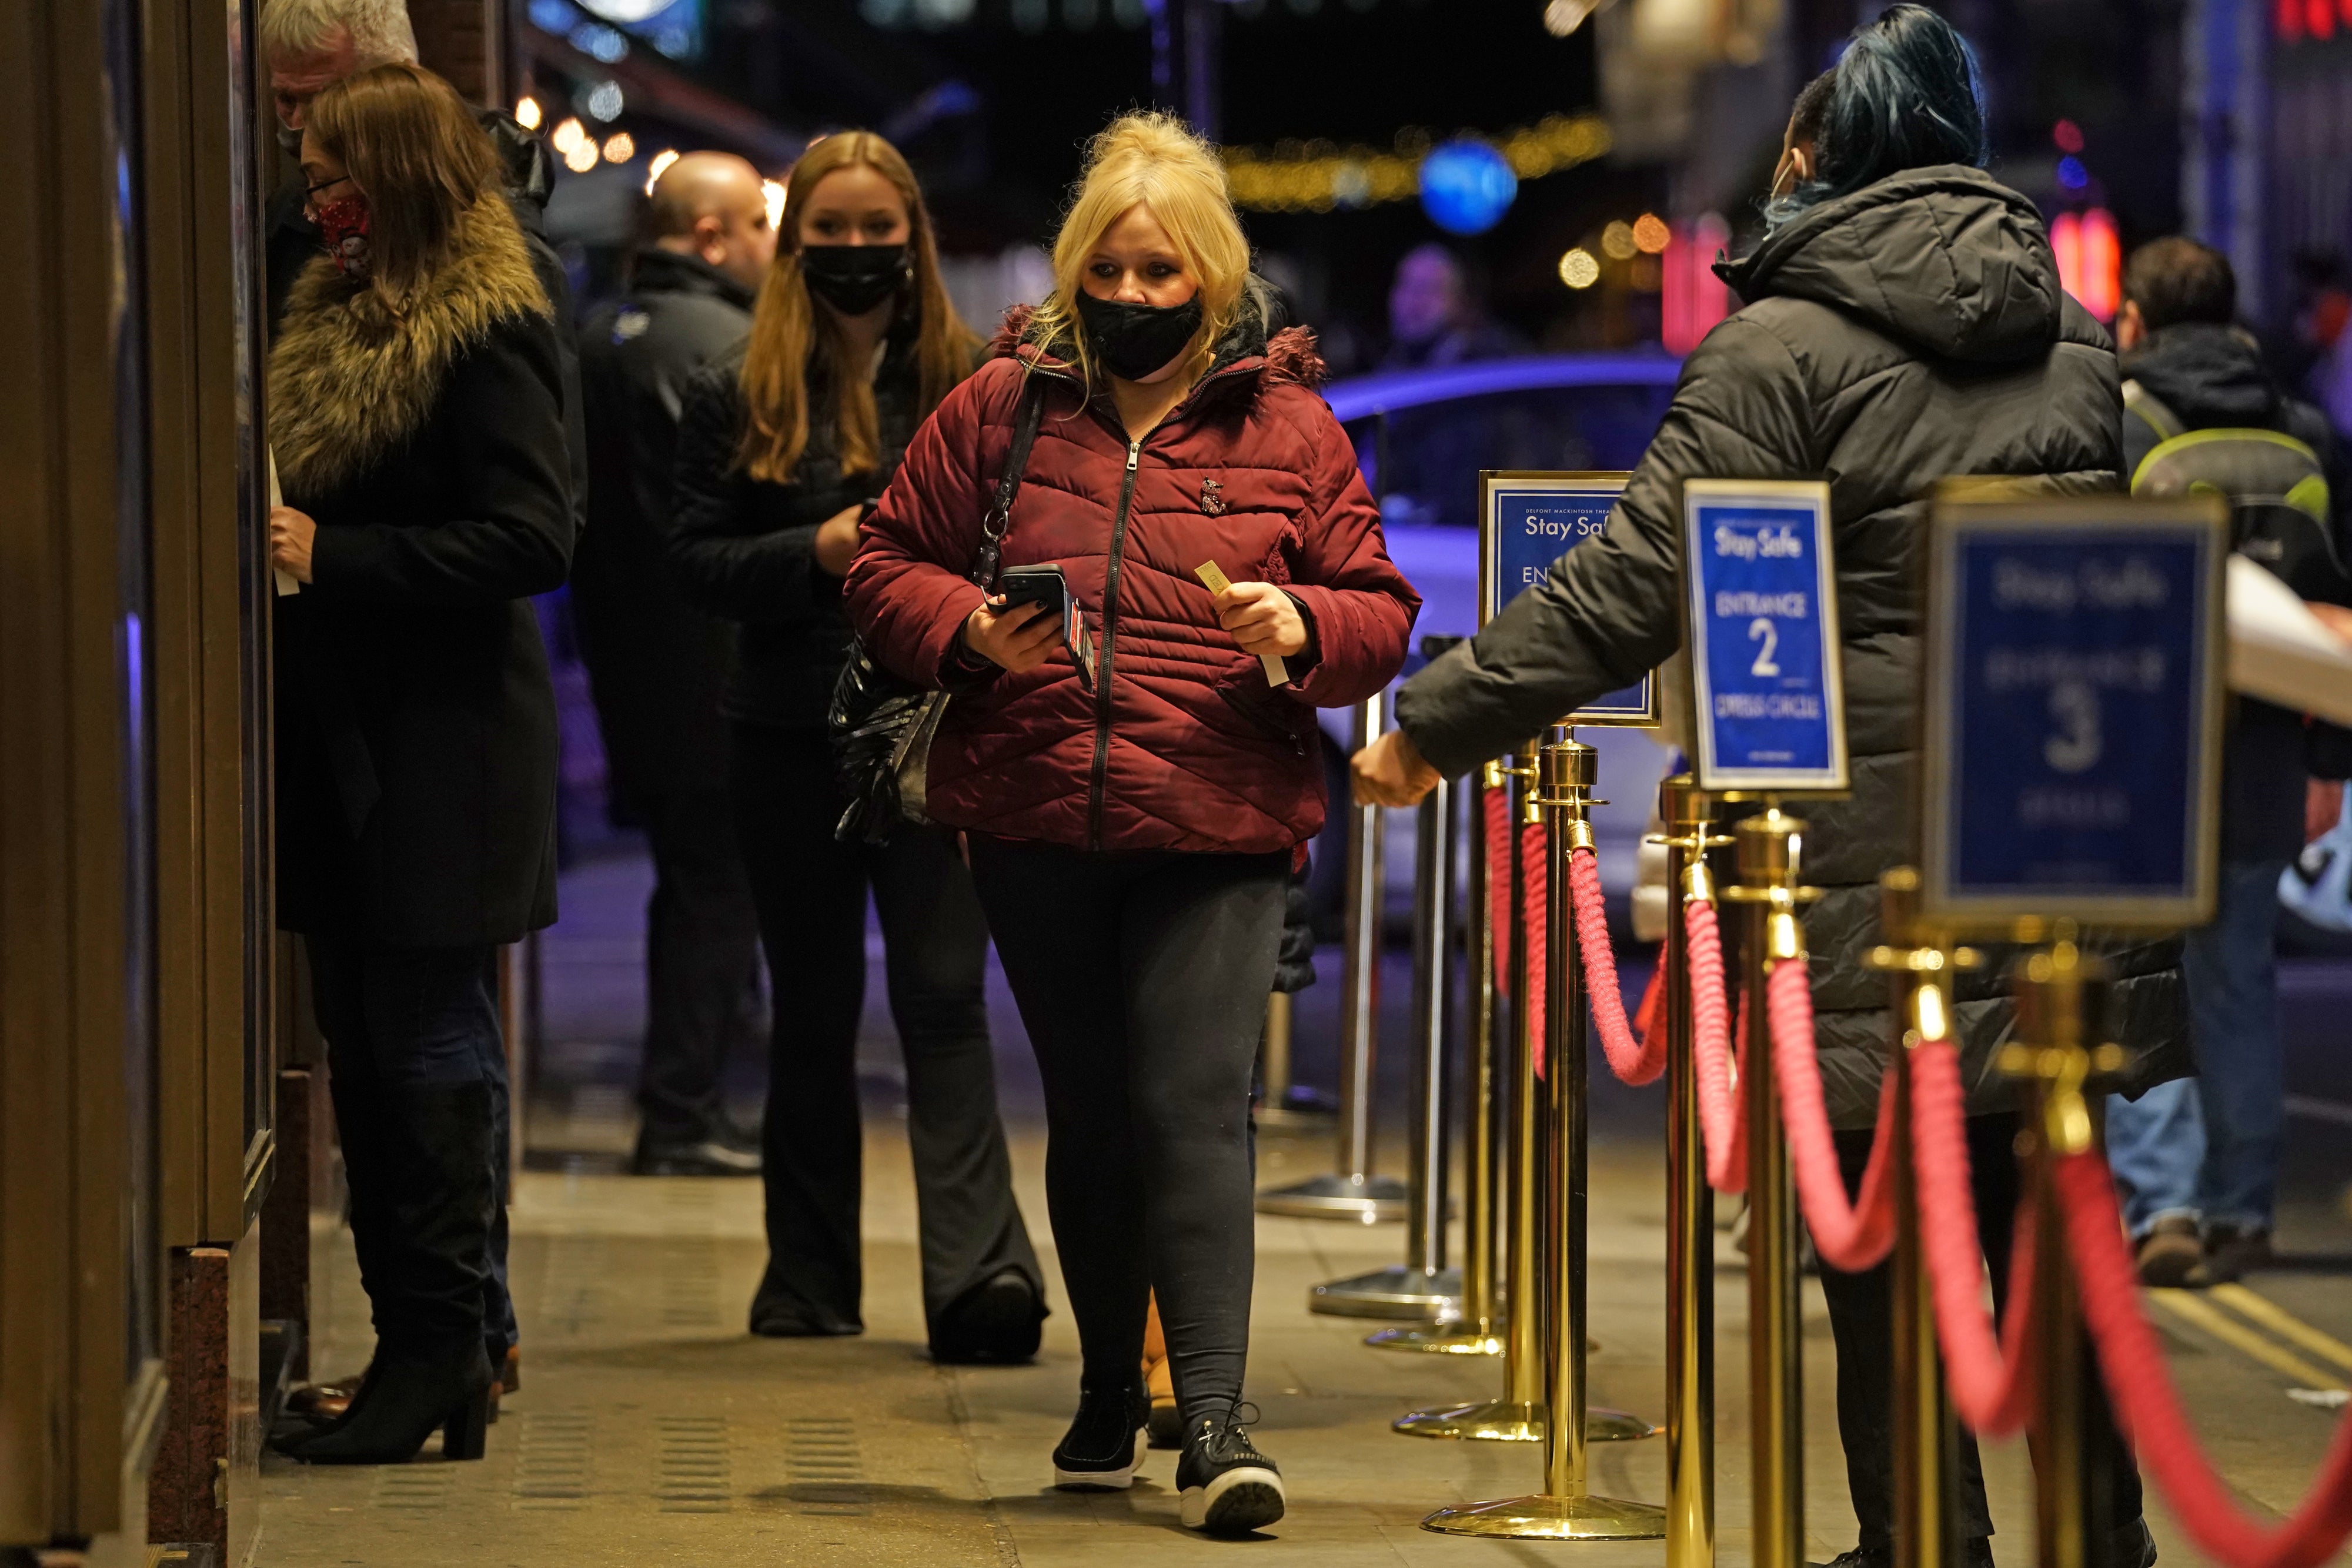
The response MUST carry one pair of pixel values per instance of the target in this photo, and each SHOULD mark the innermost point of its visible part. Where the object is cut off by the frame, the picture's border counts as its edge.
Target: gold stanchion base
(1507, 1421)
(1437, 1339)
(1541, 1517)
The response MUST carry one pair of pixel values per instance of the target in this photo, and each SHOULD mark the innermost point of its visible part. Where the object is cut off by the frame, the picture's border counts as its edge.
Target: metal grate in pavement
(554, 1460)
(826, 1471)
(693, 1469)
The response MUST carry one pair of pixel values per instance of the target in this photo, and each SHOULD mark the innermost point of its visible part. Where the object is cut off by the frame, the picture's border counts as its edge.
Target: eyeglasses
(312, 191)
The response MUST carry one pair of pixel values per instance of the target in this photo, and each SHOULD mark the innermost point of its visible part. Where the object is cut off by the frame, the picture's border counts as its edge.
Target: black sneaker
(1859, 1557)
(2132, 1546)
(1104, 1445)
(710, 1158)
(1229, 1488)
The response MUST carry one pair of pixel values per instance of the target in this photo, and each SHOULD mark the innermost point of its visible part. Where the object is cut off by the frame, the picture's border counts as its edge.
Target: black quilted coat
(1912, 331)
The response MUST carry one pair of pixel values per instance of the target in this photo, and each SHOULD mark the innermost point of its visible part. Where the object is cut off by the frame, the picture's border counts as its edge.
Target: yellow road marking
(2190, 1307)
(2283, 1323)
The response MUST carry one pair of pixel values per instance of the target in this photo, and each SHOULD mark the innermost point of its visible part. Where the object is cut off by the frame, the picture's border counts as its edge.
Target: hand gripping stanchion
(1422, 1286)
(1769, 850)
(1352, 1192)
(2062, 997)
(1475, 1331)
(1690, 1202)
(1565, 1509)
(1927, 1466)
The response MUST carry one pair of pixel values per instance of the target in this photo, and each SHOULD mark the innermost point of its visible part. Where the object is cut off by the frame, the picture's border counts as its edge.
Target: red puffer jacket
(1182, 745)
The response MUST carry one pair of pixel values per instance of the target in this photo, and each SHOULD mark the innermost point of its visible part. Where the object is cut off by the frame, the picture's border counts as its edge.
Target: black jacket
(417, 733)
(746, 551)
(291, 240)
(654, 663)
(1912, 331)
(2212, 377)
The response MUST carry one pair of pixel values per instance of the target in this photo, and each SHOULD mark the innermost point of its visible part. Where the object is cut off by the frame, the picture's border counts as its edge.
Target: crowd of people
(780, 455)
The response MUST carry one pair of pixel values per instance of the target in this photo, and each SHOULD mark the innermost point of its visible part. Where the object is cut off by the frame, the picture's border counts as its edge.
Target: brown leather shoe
(2232, 1252)
(510, 1371)
(2170, 1253)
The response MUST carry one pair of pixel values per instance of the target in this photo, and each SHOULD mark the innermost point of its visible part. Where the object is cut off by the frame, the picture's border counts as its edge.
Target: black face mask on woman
(1131, 341)
(854, 278)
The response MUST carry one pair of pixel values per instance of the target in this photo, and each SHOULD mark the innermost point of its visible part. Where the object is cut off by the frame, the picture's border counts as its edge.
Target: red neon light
(2090, 259)
(1694, 298)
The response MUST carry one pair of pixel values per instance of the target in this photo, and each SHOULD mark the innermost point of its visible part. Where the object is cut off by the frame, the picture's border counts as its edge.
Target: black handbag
(882, 724)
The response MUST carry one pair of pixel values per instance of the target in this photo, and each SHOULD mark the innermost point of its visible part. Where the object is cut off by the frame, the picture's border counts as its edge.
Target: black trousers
(1862, 1322)
(1143, 978)
(403, 1023)
(702, 959)
(810, 890)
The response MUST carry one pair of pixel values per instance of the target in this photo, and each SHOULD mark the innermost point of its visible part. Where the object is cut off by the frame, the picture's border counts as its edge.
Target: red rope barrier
(1722, 1103)
(2147, 1406)
(1498, 883)
(1635, 1062)
(1533, 857)
(1848, 1237)
(1654, 998)
(1990, 1378)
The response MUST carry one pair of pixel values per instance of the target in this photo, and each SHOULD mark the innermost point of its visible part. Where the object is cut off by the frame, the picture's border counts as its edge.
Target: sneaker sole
(1104, 1480)
(1236, 1503)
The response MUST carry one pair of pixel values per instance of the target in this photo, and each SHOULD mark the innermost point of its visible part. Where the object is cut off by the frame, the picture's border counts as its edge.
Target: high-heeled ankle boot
(430, 1370)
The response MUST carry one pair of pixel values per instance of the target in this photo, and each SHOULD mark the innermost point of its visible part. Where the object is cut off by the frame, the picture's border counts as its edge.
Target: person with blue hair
(1904, 324)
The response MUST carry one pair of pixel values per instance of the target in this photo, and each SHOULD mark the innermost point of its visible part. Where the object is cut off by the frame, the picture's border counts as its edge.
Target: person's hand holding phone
(1018, 638)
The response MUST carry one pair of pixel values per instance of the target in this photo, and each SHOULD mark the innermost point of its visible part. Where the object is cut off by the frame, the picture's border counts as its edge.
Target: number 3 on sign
(2076, 747)
(1761, 628)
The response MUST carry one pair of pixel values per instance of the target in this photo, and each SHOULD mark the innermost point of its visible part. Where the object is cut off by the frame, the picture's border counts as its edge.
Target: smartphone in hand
(1046, 585)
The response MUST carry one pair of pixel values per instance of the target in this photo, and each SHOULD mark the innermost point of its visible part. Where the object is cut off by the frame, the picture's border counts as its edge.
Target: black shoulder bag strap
(999, 518)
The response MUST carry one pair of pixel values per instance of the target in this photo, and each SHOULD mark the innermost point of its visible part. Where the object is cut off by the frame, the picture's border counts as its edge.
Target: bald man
(654, 665)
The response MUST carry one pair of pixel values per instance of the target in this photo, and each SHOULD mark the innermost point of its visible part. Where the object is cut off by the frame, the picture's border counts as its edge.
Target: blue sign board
(2074, 697)
(1769, 709)
(1527, 521)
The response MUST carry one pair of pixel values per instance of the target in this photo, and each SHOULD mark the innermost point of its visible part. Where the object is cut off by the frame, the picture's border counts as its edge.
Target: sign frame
(2014, 913)
(1808, 499)
(1492, 484)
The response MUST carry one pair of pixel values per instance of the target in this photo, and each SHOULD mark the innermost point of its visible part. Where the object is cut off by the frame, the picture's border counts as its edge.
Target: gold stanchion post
(1919, 967)
(1770, 852)
(1477, 1331)
(1690, 1202)
(2062, 999)
(1566, 1508)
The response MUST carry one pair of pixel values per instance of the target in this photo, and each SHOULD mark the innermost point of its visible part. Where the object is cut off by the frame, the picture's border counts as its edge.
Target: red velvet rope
(1635, 1062)
(1532, 856)
(1498, 883)
(1722, 1106)
(2147, 1406)
(1991, 1377)
(1848, 1237)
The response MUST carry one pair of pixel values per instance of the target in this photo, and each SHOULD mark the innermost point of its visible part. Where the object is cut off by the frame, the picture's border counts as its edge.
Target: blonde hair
(790, 335)
(1152, 160)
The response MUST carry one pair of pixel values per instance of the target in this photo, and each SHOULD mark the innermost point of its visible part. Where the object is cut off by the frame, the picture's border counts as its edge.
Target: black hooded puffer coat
(1913, 330)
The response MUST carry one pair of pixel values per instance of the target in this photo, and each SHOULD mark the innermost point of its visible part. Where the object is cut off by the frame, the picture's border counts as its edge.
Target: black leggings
(1862, 1322)
(1143, 979)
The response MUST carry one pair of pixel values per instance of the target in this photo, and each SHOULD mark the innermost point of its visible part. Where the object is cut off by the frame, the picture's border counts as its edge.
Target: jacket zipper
(1096, 790)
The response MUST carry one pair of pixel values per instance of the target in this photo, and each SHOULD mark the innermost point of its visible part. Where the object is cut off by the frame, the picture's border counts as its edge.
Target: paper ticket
(1213, 579)
(286, 584)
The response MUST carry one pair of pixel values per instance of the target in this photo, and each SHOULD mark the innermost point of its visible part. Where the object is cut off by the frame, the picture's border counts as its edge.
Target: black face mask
(1131, 341)
(854, 278)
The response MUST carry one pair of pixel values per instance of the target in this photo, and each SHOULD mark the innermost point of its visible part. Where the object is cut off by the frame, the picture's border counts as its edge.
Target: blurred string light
(2072, 175)
(2090, 259)
(1466, 185)
(662, 161)
(620, 147)
(1651, 234)
(1562, 17)
(567, 136)
(583, 156)
(773, 190)
(599, 42)
(1578, 269)
(605, 101)
(527, 113)
(1319, 177)
(1617, 242)
(2067, 135)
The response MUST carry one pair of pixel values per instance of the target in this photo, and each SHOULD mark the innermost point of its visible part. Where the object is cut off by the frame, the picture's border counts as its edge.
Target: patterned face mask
(344, 226)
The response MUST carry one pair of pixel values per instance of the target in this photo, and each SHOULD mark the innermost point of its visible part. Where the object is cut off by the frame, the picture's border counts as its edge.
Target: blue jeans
(415, 1015)
(2209, 1146)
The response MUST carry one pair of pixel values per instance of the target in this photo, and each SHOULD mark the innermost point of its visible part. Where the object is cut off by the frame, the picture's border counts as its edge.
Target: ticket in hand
(1213, 579)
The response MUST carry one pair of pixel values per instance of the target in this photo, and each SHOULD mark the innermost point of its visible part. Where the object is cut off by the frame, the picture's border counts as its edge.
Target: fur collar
(349, 379)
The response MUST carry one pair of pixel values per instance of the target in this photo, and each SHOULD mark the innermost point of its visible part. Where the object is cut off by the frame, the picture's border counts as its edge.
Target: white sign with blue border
(1527, 520)
(1768, 703)
(2073, 685)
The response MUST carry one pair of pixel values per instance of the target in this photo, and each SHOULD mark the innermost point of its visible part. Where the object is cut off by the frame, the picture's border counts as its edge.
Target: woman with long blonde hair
(1133, 826)
(783, 448)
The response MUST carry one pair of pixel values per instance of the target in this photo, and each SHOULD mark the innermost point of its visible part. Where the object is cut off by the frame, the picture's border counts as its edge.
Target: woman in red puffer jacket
(1132, 836)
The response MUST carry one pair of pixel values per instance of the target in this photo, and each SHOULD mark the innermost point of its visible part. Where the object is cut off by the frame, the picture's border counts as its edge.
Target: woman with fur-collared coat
(416, 424)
